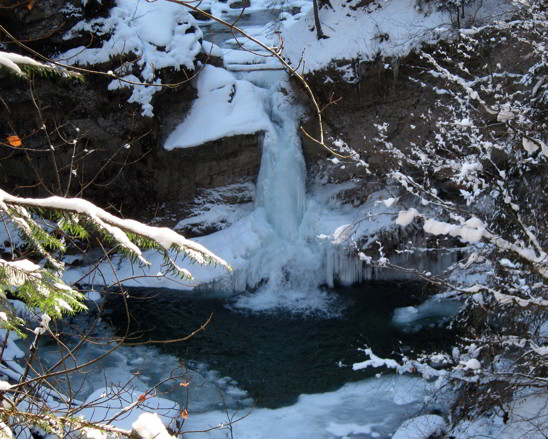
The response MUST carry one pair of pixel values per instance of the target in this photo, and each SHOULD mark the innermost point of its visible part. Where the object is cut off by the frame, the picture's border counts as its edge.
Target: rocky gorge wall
(119, 159)
(79, 139)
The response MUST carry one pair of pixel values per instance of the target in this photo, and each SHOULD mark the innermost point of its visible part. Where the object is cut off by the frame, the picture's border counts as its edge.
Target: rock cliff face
(99, 145)
(402, 94)
(382, 91)
(390, 107)
(118, 156)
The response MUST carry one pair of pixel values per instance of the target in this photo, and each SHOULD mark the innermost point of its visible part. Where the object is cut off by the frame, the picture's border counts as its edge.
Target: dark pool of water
(278, 356)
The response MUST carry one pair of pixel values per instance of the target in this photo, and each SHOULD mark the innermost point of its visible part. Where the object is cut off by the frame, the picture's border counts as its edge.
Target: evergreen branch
(125, 233)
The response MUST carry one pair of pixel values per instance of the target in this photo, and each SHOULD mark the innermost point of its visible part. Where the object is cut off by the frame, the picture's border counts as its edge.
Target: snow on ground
(106, 402)
(9, 235)
(161, 34)
(384, 27)
(420, 427)
(214, 215)
(9, 367)
(218, 208)
(528, 417)
(388, 28)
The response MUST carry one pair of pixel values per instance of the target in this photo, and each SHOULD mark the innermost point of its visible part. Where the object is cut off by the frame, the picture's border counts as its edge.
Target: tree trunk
(319, 33)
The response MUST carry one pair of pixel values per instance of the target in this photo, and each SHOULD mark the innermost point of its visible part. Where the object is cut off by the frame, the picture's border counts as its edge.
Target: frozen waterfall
(289, 244)
(281, 181)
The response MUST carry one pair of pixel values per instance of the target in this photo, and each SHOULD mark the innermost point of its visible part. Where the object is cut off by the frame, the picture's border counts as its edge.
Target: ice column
(281, 181)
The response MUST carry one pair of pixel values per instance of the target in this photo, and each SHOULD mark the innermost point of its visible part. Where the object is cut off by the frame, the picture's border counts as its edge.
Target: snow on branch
(39, 287)
(407, 366)
(12, 61)
(375, 361)
(473, 230)
(121, 229)
(506, 299)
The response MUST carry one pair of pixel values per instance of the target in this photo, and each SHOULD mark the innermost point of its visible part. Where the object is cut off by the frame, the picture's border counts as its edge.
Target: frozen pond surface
(286, 347)
(278, 356)
(293, 370)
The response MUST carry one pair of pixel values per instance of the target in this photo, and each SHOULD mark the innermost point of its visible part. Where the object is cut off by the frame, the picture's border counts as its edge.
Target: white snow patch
(375, 361)
(405, 217)
(420, 427)
(507, 263)
(529, 145)
(327, 415)
(541, 350)
(157, 34)
(345, 430)
(106, 402)
(225, 105)
(471, 230)
(527, 420)
(150, 426)
(471, 364)
(392, 28)
(12, 61)
(4, 386)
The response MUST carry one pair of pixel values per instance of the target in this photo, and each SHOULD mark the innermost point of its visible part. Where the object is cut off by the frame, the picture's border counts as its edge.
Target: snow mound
(150, 426)
(109, 402)
(225, 105)
(527, 420)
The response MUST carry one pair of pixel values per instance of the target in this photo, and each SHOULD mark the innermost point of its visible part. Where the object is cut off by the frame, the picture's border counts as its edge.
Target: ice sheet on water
(414, 318)
(366, 407)
(212, 398)
(137, 368)
(312, 302)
